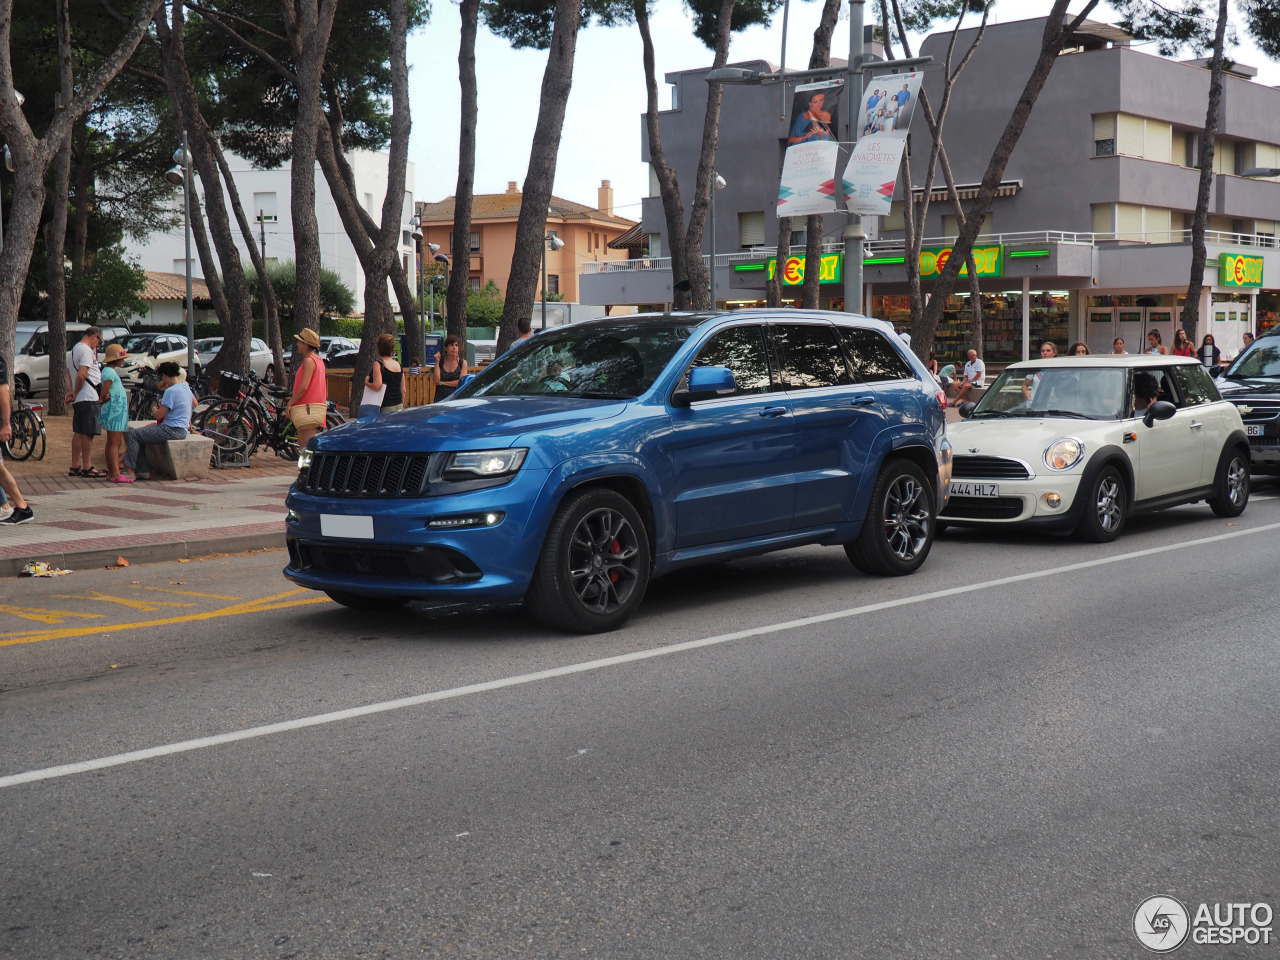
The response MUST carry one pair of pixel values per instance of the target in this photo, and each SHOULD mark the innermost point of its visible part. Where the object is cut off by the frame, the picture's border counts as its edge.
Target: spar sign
(830, 269)
(1237, 270)
(988, 260)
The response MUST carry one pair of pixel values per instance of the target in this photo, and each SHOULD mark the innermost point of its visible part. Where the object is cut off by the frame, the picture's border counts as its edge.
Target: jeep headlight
(304, 459)
(484, 463)
(1063, 454)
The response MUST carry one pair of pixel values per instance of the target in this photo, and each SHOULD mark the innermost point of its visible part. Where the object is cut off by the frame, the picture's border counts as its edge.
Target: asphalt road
(1001, 756)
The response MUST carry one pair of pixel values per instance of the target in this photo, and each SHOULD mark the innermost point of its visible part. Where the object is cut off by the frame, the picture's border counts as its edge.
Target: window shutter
(751, 228)
(1159, 141)
(1130, 135)
(1104, 126)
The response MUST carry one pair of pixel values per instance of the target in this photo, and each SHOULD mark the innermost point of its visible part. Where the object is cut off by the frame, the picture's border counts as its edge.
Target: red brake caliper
(615, 550)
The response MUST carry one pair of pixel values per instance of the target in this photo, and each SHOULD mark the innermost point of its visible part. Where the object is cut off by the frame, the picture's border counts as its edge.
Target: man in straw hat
(310, 397)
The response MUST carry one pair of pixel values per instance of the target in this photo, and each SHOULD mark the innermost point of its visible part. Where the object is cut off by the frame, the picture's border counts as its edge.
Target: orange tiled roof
(173, 286)
(506, 206)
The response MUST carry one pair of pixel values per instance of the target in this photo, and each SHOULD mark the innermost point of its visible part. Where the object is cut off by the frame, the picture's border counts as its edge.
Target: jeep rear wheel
(898, 531)
(594, 566)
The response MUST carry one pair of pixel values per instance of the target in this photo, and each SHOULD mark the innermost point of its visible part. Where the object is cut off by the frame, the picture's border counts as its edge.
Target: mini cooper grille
(980, 508)
(965, 467)
(367, 474)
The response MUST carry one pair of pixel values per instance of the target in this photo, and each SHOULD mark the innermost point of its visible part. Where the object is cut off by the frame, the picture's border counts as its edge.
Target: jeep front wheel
(898, 531)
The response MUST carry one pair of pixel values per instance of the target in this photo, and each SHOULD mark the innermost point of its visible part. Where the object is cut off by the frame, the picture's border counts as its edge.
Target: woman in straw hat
(113, 417)
(310, 397)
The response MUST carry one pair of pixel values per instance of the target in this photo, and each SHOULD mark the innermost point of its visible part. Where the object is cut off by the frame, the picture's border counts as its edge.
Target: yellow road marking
(193, 593)
(255, 606)
(44, 616)
(144, 605)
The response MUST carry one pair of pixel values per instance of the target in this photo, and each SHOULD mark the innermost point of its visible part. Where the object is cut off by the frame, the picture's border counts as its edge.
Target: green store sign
(1237, 270)
(988, 260)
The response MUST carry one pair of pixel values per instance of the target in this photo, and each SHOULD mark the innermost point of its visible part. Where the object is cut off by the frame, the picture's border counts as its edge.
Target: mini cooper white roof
(1138, 360)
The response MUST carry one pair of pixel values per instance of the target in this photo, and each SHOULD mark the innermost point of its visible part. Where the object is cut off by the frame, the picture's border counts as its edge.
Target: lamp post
(180, 176)
(441, 258)
(717, 184)
(555, 243)
(416, 223)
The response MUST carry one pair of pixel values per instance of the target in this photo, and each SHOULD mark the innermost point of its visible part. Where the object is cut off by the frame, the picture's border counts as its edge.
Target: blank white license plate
(1253, 429)
(349, 528)
(964, 488)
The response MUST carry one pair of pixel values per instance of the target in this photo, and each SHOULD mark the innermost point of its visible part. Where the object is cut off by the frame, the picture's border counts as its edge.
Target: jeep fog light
(490, 519)
(1052, 501)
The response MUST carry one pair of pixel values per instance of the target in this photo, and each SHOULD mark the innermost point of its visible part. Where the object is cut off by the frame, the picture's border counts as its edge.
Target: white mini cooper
(1080, 443)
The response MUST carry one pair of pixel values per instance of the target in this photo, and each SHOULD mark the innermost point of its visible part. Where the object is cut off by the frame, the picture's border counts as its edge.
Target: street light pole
(180, 175)
(717, 184)
(555, 243)
(441, 258)
(853, 234)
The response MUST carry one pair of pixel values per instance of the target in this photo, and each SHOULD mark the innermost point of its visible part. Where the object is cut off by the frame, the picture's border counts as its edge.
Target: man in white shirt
(904, 336)
(975, 376)
(83, 377)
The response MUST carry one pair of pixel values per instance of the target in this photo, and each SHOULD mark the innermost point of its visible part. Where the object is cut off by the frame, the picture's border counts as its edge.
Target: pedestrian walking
(173, 420)
(83, 378)
(310, 398)
(21, 512)
(113, 417)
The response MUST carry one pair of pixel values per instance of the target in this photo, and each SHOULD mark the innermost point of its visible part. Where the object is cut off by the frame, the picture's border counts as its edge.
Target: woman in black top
(387, 371)
(450, 367)
(1210, 355)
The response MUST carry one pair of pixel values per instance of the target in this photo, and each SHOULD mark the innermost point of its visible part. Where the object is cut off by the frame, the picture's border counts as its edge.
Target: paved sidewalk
(87, 523)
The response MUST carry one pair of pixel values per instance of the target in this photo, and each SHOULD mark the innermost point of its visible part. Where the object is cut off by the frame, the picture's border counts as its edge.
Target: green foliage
(109, 289)
(920, 16)
(528, 23)
(1186, 25)
(484, 306)
(554, 297)
(1263, 17)
(336, 298)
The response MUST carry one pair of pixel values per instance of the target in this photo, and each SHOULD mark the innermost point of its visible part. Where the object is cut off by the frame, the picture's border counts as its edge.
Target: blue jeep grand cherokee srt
(595, 456)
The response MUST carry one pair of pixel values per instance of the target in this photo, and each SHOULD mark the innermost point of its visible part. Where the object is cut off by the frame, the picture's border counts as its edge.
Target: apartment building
(1089, 235)
(586, 232)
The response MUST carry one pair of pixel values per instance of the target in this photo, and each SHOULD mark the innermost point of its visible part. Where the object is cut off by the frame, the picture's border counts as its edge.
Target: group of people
(1208, 353)
(883, 110)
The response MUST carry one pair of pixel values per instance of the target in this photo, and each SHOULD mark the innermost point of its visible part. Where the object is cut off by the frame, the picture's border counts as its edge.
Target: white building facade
(266, 196)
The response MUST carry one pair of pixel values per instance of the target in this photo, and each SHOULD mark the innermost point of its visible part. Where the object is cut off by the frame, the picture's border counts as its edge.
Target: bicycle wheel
(232, 430)
(39, 434)
(26, 435)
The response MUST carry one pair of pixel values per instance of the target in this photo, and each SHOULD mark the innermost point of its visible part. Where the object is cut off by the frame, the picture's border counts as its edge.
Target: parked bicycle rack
(228, 451)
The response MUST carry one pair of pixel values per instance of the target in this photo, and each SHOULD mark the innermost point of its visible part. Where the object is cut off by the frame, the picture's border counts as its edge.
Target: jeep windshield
(1090, 393)
(615, 361)
(1261, 361)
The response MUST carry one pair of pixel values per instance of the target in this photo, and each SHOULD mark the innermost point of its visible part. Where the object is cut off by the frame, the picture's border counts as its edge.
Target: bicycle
(28, 431)
(258, 414)
(144, 394)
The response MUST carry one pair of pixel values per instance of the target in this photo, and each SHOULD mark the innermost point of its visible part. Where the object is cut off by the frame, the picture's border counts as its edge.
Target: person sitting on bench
(975, 376)
(173, 420)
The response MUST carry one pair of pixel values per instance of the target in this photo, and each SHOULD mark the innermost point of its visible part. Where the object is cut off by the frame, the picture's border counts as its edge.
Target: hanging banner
(888, 104)
(809, 167)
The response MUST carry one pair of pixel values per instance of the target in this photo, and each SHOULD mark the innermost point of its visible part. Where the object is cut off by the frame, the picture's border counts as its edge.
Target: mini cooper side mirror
(1159, 410)
(966, 409)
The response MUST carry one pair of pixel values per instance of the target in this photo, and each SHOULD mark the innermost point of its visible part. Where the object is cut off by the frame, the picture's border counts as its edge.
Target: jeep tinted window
(810, 356)
(741, 349)
(873, 357)
(1196, 385)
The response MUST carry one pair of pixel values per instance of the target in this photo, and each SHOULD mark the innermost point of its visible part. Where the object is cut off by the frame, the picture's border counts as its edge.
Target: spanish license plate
(964, 488)
(1253, 429)
(346, 528)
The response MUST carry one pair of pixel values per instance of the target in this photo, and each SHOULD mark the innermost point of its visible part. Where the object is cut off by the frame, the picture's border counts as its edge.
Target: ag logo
(1161, 924)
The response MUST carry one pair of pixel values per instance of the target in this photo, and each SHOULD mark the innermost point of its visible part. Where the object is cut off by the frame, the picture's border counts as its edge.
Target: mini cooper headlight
(484, 463)
(1063, 454)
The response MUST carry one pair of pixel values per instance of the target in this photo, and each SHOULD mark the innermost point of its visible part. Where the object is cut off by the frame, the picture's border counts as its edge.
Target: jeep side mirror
(712, 381)
(1159, 410)
(966, 409)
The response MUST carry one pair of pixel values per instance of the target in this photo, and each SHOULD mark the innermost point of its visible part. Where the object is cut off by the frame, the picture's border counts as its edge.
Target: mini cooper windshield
(1085, 393)
(618, 361)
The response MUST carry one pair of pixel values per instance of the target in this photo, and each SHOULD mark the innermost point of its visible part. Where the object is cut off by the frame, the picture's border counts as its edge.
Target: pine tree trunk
(55, 233)
(668, 184)
(1191, 309)
(530, 242)
(774, 287)
(460, 278)
(308, 25)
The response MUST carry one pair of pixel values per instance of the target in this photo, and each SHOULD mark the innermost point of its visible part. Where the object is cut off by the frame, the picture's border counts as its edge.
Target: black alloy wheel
(594, 566)
(1106, 502)
(899, 528)
(1231, 486)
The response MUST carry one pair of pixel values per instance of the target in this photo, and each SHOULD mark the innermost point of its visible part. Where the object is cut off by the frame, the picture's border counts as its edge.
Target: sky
(601, 139)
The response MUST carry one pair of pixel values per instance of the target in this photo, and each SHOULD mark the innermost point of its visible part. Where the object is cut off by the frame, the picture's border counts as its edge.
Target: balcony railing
(890, 245)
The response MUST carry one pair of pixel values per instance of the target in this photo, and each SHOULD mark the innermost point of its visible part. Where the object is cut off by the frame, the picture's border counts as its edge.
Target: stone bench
(185, 459)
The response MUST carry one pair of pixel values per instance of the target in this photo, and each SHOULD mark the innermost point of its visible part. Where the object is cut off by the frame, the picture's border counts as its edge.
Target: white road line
(185, 746)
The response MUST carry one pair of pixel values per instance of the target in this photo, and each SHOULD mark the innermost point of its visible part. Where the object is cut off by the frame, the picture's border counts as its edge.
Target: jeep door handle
(772, 412)
(862, 401)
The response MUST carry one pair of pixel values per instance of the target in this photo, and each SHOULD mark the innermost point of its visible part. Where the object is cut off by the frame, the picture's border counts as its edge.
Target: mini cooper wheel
(1104, 508)
(1231, 488)
(594, 565)
(359, 601)
(899, 527)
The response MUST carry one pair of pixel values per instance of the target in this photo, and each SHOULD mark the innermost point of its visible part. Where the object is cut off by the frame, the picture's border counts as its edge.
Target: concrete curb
(163, 549)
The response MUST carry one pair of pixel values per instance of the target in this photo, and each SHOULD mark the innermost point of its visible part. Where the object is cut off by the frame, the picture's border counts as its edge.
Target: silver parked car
(259, 355)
